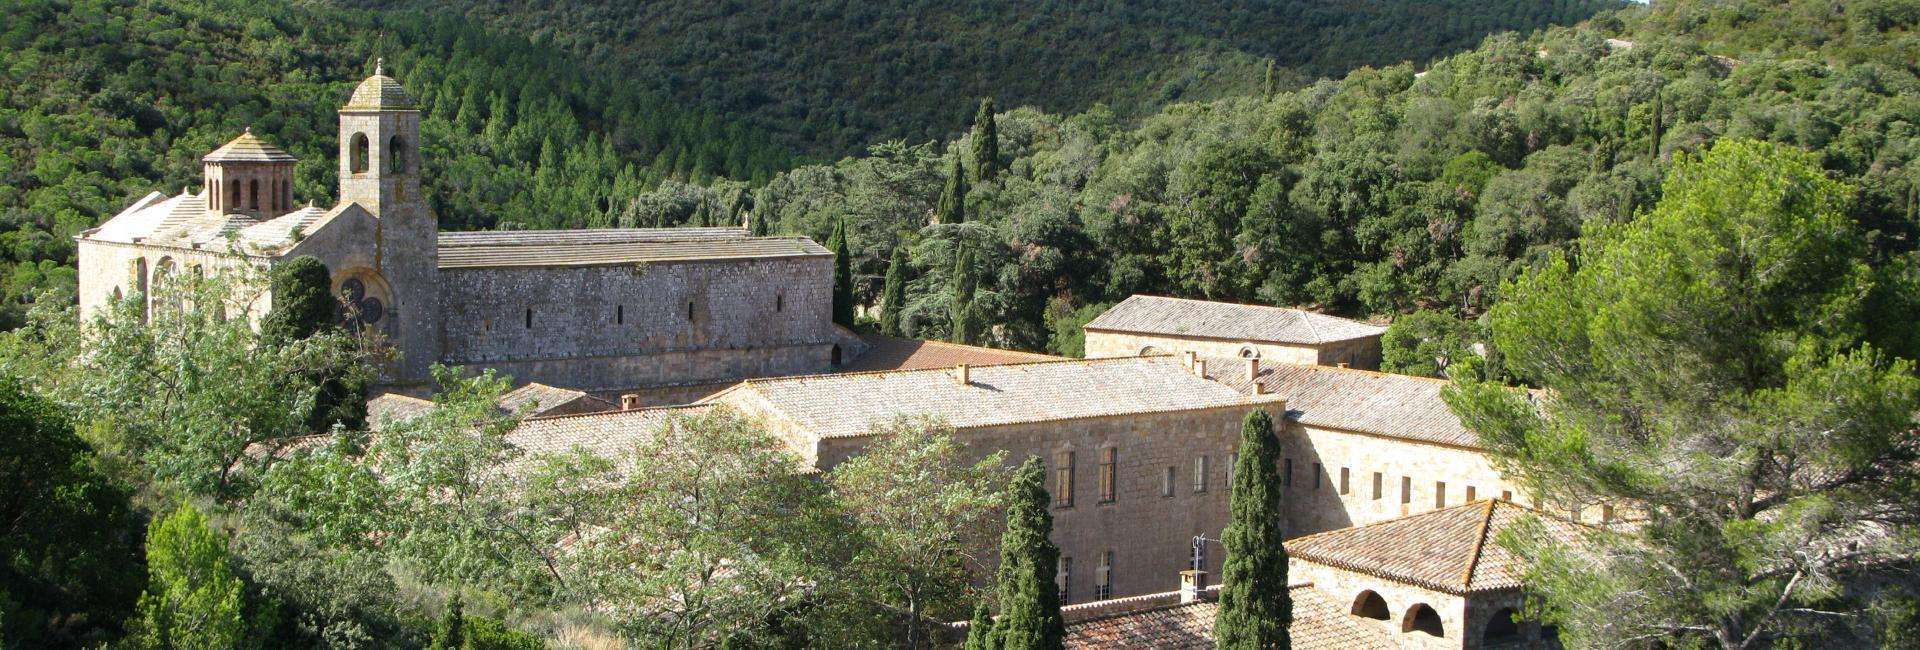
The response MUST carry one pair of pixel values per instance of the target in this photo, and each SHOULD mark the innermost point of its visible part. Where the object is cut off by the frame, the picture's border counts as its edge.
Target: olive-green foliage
(980, 628)
(1734, 367)
(1255, 608)
(303, 302)
(452, 632)
(70, 565)
(766, 61)
(490, 634)
(1426, 343)
(1029, 600)
(1069, 339)
(193, 599)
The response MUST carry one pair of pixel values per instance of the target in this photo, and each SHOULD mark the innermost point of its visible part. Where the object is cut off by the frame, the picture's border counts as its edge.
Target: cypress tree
(842, 275)
(303, 302)
(965, 284)
(1254, 606)
(1029, 600)
(452, 632)
(953, 200)
(980, 630)
(893, 296)
(986, 144)
(1269, 86)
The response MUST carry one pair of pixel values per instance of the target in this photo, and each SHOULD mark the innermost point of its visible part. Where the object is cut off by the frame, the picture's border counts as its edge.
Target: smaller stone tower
(380, 171)
(250, 177)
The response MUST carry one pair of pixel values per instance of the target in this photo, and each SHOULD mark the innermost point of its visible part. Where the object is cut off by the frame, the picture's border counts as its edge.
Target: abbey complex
(1391, 505)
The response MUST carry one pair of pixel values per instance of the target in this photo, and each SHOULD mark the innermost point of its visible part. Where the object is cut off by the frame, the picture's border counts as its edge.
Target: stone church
(588, 309)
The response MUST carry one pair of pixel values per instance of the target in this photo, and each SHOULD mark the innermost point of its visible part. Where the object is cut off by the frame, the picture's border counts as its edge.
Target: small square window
(1471, 493)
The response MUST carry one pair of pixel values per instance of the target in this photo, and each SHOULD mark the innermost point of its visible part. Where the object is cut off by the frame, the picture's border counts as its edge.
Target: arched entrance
(1370, 605)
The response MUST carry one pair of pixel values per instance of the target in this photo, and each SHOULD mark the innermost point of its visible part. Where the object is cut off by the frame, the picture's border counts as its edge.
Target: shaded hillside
(1393, 190)
(835, 76)
(103, 101)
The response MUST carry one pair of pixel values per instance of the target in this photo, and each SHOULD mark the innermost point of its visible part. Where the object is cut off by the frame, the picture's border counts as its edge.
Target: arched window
(253, 194)
(396, 155)
(1149, 351)
(233, 196)
(357, 153)
(1247, 352)
(1501, 628)
(835, 354)
(1370, 605)
(1421, 618)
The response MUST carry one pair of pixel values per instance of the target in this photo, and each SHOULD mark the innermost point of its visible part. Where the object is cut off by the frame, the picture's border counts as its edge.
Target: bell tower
(380, 171)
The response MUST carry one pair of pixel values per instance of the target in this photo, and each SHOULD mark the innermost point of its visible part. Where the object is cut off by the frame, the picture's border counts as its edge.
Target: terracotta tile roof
(390, 407)
(1220, 320)
(183, 222)
(1318, 624)
(278, 231)
(1452, 550)
(249, 148)
(603, 434)
(542, 399)
(596, 247)
(889, 353)
(847, 404)
(1400, 406)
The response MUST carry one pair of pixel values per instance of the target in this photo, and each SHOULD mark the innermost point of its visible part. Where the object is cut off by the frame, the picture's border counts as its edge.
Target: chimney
(1253, 368)
(1189, 356)
(1200, 367)
(629, 401)
(963, 375)
(1193, 586)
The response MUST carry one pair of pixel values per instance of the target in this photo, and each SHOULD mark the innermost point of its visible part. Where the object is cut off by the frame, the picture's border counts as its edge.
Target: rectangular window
(1439, 494)
(1286, 472)
(1063, 479)
(1107, 487)
(529, 318)
(1377, 478)
(1167, 482)
(1064, 579)
(619, 314)
(1343, 480)
(1103, 579)
(1506, 495)
(1406, 490)
(1200, 474)
(1606, 513)
(1470, 494)
(1317, 474)
(689, 311)
(779, 302)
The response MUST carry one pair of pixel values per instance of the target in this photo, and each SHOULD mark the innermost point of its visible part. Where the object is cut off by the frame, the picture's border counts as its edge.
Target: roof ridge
(561, 416)
(757, 381)
(1479, 544)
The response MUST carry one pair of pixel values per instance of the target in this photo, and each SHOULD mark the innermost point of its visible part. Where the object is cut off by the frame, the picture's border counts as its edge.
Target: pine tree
(953, 200)
(986, 144)
(966, 283)
(451, 635)
(193, 598)
(1254, 606)
(1029, 600)
(980, 630)
(893, 296)
(842, 275)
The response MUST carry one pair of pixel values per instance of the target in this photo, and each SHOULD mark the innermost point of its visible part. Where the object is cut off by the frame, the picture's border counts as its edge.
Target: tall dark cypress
(953, 200)
(842, 274)
(303, 301)
(893, 296)
(1254, 606)
(965, 283)
(980, 629)
(986, 144)
(1029, 600)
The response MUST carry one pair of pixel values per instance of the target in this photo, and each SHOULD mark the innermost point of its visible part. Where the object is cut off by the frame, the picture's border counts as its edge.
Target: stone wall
(1150, 534)
(1434, 476)
(107, 267)
(600, 327)
(1345, 587)
(1359, 353)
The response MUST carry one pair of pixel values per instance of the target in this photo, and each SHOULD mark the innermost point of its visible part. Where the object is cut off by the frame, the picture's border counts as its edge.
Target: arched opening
(1421, 618)
(117, 296)
(233, 196)
(1247, 352)
(1370, 605)
(1149, 351)
(835, 355)
(140, 285)
(396, 155)
(1501, 628)
(161, 294)
(253, 194)
(357, 153)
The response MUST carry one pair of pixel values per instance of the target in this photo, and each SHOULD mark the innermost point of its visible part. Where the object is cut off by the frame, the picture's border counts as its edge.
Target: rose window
(360, 310)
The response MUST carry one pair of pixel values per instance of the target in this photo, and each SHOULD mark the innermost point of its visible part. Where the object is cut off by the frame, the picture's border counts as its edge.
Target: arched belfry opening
(1421, 618)
(397, 155)
(358, 154)
(1370, 605)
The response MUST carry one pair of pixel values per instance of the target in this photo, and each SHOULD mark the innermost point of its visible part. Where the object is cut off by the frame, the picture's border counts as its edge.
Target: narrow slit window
(689, 310)
(1377, 480)
(1200, 474)
(1167, 482)
(619, 314)
(1318, 473)
(779, 302)
(529, 318)
(1343, 480)
(1439, 494)
(1406, 490)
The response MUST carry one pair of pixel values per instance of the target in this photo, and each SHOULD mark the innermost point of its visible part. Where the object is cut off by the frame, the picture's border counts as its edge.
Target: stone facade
(1412, 477)
(592, 309)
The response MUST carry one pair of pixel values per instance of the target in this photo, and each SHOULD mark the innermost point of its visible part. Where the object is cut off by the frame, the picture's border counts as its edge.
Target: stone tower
(380, 171)
(248, 176)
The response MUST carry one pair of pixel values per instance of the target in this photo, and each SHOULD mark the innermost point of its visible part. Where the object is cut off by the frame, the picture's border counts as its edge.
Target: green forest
(833, 77)
(1396, 190)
